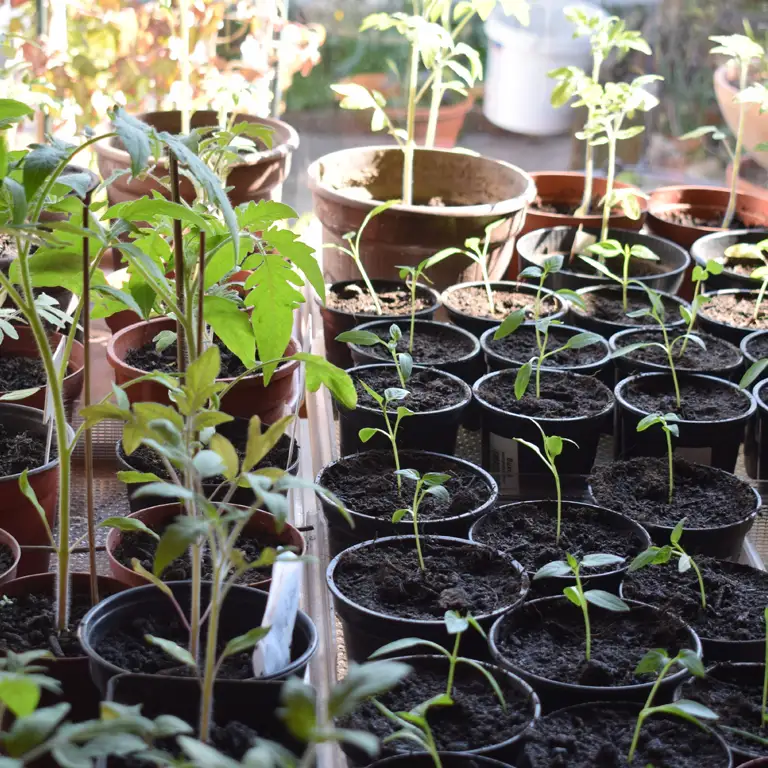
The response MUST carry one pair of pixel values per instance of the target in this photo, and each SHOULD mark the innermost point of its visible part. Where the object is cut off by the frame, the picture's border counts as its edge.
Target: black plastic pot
(607, 580)
(448, 760)
(748, 349)
(241, 612)
(425, 431)
(756, 437)
(732, 333)
(713, 443)
(714, 245)
(341, 535)
(516, 467)
(628, 365)
(555, 694)
(507, 750)
(479, 325)
(366, 630)
(540, 244)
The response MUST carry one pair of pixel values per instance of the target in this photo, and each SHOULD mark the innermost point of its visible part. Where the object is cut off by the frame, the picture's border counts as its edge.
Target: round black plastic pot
(555, 694)
(516, 467)
(606, 580)
(749, 348)
(506, 750)
(366, 630)
(713, 247)
(435, 430)
(447, 759)
(714, 443)
(540, 244)
(242, 611)
(602, 368)
(756, 436)
(606, 328)
(479, 325)
(341, 535)
(733, 333)
(628, 365)
(336, 321)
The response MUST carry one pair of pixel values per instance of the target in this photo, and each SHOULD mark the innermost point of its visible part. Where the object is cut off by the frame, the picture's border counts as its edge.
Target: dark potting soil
(428, 389)
(547, 638)
(600, 737)
(608, 305)
(473, 301)
(736, 310)
(366, 483)
(561, 395)
(703, 400)
(354, 299)
(686, 219)
(719, 354)
(475, 719)
(521, 346)
(6, 558)
(21, 450)
(17, 372)
(431, 344)
(704, 496)
(459, 577)
(147, 358)
(758, 347)
(736, 597)
(526, 532)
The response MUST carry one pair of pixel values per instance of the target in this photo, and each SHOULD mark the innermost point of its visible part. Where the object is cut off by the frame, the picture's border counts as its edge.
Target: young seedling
(658, 661)
(550, 266)
(412, 275)
(761, 274)
(553, 447)
(753, 373)
(402, 360)
(699, 276)
(662, 555)
(670, 428)
(431, 483)
(577, 595)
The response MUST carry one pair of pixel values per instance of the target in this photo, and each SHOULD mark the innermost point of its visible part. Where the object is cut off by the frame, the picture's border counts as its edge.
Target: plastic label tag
(695, 454)
(505, 464)
(581, 242)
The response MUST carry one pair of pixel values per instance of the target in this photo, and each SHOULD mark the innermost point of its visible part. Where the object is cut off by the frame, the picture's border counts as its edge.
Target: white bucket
(517, 89)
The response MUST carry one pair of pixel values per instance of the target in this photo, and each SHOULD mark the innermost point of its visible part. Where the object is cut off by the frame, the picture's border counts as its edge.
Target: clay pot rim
(447, 112)
(496, 209)
(10, 541)
(435, 295)
(515, 285)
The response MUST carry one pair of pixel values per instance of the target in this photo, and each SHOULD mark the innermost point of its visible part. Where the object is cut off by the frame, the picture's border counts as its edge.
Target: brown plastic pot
(26, 346)
(450, 121)
(13, 545)
(249, 397)
(258, 177)
(478, 191)
(156, 517)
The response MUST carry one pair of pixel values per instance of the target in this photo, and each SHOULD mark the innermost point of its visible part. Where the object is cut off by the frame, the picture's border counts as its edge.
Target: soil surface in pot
(600, 737)
(561, 396)
(521, 346)
(528, 536)
(686, 219)
(637, 267)
(366, 483)
(431, 344)
(718, 355)
(6, 558)
(608, 305)
(21, 450)
(428, 390)
(564, 209)
(147, 358)
(738, 311)
(736, 597)
(546, 638)
(354, 299)
(475, 720)
(473, 301)
(704, 496)
(758, 347)
(17, 372)
(457, 577)
(702, 400)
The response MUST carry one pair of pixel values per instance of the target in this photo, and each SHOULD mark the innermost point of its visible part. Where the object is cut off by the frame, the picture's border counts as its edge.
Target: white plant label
(273, 653)
(505, 463)
(581, 242)
(696, 455)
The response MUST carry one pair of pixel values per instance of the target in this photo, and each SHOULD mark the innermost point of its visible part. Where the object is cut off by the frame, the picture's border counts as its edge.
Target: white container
(517, 89)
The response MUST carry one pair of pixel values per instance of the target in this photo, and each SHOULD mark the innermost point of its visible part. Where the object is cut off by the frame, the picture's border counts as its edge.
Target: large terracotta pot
(476, 191)
(259, 177)
(249, 397)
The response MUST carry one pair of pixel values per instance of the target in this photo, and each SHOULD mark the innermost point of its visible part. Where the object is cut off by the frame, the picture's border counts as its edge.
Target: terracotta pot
(13, 545)
(248, 398)
(348, 184)
(17, 515)
(156, 517)
(94, 182)
(450, 121)
(121, 320)
(259, 177)
(25, 346)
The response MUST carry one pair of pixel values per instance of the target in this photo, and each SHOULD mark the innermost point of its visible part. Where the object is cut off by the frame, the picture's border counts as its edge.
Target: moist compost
(21, 450)
(702, 400)
(600, 737)
(526, 532)
(6, 558)
(473, 301)
(736, 309)
(719, 355)
(684, 218)
(366, 483)
(564, 209)
(147, 358)
(704, 496)
(432, 344)
(758, 347)
(736, 597)
(428, 389)
(475, 719)
(547, 638)
(17, 372)
(607, 305)
(354, 299)
(562, 396)
(521, 346)
(386, 577)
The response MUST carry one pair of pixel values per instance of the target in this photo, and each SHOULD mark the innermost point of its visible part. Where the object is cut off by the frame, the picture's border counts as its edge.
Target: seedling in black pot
(550, 266)
(402, 360)
(699, 277)
(670, 428)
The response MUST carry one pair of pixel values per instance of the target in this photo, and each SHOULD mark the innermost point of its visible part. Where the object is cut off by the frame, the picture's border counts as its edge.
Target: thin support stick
(178, 265)
(200, 293)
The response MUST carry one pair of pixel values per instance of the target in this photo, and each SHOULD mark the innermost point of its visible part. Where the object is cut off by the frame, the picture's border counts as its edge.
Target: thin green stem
(408, 152)
(487, 283)
(668, 348)
(589, 154)
(209, 676)
(730, 211)
(415, 516)
(609, 185)
(692, 322)
(434, 107)
(413, 313)
(625, 280)
(702, 591)
(367, 281)
(452, 664)
(759, 301)
(668, 434)
(585, 612)
(559, 493)
(641, 717)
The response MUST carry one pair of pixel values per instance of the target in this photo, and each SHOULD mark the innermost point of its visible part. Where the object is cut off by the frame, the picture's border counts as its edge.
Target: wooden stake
(200, 294)
(178, 259)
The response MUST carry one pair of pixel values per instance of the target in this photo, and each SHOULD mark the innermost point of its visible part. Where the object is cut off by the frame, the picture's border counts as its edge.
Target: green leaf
(399, 514)
(260, 444)
(203, 372)
(134, 135)
(688, 710)
(606, 600)
(435, 478)
(319, 371)
(151, 209)
(289, 246)
(362, 338)
(585, 339)
(19, 394)
(299, 707)
(132, 524)
(208, 463)
(411, 474)
(362, 682)
(203, 756)
(233, 327)
(28, 732)
(245, 642)
(522, 379)
(598, 560)
(510, 324)
(176, 539)
(573, 595)
(173, 649)
(555, 569)
(677, 532)
(40, 163)
(18, 200)
(653, 661)
(455, 624)
(644, 559)
(367, 433)
(12, 111)
(19, 693)
(397, 646)
(166, 490)
(228, 455)
(753, 373)
(692, 662)
(31, 496)
(132, 476)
